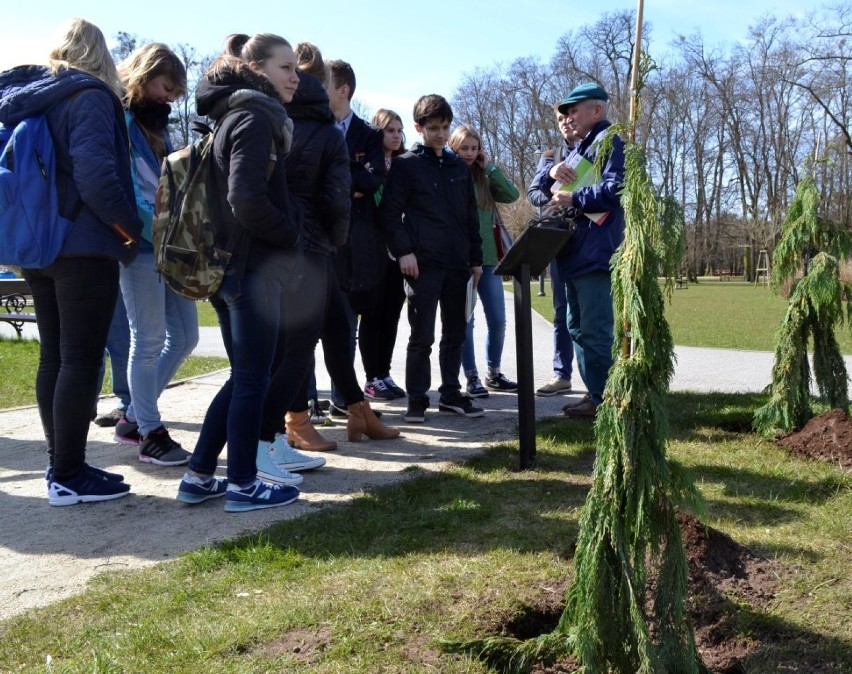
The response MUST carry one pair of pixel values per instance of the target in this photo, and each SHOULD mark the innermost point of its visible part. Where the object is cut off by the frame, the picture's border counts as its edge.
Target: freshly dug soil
(827, 437)
(723, 577)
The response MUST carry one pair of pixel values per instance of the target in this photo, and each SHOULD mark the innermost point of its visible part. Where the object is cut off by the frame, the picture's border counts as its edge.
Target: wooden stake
(634, 75)
(626, 342)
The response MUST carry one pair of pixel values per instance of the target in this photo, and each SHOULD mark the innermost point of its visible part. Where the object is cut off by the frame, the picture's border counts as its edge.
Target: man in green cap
(585, 261)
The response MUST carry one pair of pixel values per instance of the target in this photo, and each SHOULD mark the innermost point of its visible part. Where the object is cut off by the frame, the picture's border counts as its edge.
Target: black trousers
(432, 289)
(74, 301)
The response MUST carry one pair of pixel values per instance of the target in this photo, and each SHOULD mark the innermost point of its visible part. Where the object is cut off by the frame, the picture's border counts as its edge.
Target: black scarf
(151, 115)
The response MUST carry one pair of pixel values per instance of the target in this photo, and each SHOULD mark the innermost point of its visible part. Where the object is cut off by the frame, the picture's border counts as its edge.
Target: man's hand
(561, 198)
(408, 266)
(477, 274)
(562, 173)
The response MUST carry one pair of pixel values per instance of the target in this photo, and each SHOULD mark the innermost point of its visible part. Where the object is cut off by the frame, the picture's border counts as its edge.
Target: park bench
(13, 298)
(724, 273)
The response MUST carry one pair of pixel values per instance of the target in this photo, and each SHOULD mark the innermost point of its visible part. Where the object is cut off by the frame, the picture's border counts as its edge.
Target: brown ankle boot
(363, 421)
(302, 434)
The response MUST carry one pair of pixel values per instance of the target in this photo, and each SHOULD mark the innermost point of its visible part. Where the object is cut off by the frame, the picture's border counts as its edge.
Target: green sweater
(503, 191)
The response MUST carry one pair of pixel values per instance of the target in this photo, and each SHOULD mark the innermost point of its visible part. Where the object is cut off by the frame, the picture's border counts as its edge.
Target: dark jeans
(563, 347)
(302, 318)
(249, 314)
(389, 313)
(366, 304)
(337, 335)
(74, 302)
(431, 289)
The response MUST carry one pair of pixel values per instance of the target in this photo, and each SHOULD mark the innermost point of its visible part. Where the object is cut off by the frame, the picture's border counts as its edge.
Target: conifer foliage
(817, 245)
(615, 620)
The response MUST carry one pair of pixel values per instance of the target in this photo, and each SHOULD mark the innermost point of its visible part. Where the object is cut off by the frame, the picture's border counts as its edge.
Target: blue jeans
(163, 332)
(590, 322)
(493, 299)
(74, 301)
(249, 315)
(563, 349)
(118, 349)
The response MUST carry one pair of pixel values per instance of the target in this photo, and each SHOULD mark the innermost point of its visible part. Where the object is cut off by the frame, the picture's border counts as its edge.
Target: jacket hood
(310, 101)
(30, 90)
(213, 92)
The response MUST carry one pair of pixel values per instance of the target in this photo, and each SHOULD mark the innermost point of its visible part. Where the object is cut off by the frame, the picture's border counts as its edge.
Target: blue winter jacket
(592, 246)
(92, 157)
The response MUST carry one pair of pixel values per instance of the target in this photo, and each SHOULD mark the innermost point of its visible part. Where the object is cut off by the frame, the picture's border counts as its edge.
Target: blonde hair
(82, 46)
(309, 60)
(484, 199)
(382, 119)
(146, 63)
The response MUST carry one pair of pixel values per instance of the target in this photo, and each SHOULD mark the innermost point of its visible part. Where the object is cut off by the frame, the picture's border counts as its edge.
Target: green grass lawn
(19, 362)
(457, 554)
(726, 315)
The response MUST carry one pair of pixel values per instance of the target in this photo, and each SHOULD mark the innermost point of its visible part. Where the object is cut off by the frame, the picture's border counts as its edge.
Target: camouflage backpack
(184, 228)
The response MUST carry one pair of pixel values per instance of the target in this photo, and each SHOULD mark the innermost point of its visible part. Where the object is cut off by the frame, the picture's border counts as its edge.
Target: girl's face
(280, 69)
(468, 150)
(393, 136)
(160, 89)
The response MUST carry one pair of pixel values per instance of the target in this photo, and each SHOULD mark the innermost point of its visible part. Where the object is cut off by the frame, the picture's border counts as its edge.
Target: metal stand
(528, 257)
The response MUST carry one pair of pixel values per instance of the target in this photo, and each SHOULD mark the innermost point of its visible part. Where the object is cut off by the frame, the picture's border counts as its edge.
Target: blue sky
(399, 50)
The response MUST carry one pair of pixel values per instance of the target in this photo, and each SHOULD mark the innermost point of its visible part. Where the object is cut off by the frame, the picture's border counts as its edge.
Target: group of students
(327, 220)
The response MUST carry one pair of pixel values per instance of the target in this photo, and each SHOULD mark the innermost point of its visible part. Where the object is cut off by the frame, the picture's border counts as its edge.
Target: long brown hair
(143, 65)
(484, 200)
(382, 118)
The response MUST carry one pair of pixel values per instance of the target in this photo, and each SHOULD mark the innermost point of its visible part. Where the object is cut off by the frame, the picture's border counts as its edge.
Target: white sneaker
(271, 472)
(555, 386)
(288, 458)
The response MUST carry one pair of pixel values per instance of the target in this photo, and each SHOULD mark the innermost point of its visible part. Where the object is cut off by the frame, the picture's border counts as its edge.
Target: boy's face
(435, 133)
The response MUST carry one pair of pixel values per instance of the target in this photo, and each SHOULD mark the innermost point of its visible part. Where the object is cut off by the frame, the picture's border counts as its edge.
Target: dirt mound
(721, 569)
(827, 437)
(724, 576)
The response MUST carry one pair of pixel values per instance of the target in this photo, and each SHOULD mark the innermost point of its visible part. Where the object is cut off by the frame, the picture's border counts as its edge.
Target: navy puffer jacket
(318, 167)
(92, 156)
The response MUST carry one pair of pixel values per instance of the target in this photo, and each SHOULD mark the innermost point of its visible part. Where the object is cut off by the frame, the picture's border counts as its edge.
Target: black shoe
(127, 432)
(393, 387)
(109, 419)
(500, 383)
(338, 412)
(460, 405)
(475, 389)
(375, 389)
(158, 448)
(416, 412)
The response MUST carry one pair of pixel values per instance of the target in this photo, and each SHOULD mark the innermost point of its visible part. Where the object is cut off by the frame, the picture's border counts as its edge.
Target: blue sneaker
(94, 470)
(270, 472)
(84, 488)
(197, 490)
(258, 495)
(288, 458)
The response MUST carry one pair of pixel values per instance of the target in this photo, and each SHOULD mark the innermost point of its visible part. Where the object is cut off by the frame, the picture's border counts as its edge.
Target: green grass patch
(19, 363)
(726, 315)
(207, 317)
(369, 587)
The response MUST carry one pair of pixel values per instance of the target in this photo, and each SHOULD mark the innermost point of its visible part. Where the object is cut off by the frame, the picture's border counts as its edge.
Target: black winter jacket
(318, 168)
(92, 155)
(256, 214)
(429, 208)
(362, 263)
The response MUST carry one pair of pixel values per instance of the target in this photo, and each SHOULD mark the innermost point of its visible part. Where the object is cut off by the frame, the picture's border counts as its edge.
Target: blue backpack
(32, 232)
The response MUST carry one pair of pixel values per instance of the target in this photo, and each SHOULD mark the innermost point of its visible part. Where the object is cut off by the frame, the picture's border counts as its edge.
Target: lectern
(528, 257)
